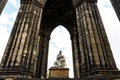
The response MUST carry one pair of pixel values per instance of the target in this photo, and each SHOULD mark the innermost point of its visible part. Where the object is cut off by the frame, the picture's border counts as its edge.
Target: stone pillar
(40, 49)
(116, 6)
(76, 56)
(95, 54)
(2, 5)
(21, 51)
(42, 58)
(45, 55)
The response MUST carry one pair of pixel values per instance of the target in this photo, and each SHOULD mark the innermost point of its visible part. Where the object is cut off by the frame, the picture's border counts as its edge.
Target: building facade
(26, 53)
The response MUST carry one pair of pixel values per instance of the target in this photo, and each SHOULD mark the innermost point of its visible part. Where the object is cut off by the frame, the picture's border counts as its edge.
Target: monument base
(58, 72)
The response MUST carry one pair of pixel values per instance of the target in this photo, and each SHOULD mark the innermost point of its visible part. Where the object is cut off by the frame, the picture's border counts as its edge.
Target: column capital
(40, 3)
(77, 3)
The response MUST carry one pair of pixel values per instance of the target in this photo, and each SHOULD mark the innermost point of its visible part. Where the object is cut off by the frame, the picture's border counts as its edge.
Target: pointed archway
(57, 12)
(60, 40)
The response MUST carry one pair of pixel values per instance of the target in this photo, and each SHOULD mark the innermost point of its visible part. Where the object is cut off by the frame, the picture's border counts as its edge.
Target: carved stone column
(21, 51)
(76, 60)
(95, 53)
(40, 49)
(76, 53)
(45, 57)
(116, 5)
(44, 53)
(2, 5)
(42, 57)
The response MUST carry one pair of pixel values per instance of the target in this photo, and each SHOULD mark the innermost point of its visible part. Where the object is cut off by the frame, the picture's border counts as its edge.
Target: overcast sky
(111, 23)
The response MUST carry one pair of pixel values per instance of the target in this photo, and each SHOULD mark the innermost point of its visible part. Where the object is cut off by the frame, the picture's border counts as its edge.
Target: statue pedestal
(55, 72)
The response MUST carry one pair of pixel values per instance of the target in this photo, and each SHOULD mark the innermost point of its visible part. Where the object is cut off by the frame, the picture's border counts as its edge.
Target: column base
(11, 74)
(110, 74)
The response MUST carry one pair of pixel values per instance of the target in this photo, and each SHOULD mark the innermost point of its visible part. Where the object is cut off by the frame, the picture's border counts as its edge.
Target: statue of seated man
(60, 62)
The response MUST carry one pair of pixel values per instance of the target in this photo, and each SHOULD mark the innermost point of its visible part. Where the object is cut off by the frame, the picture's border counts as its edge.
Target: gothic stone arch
(27, 49)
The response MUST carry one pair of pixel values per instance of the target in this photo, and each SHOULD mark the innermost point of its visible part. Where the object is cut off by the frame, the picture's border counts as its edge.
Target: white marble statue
(60, 62)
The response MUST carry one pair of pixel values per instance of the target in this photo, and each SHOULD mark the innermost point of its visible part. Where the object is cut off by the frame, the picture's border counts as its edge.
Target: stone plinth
(58, 72)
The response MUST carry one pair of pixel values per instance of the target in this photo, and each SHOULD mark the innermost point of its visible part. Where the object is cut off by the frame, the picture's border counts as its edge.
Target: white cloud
(4, 19)
(58, 37)
(6, 24)
(3, 32)
(3, 40)
(13, 3)
(8, 18)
